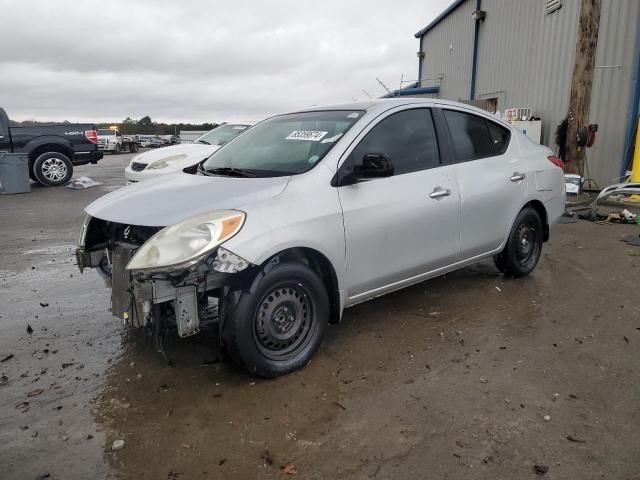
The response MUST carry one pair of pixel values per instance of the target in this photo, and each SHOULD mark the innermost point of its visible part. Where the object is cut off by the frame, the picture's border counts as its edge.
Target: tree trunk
(582, 81)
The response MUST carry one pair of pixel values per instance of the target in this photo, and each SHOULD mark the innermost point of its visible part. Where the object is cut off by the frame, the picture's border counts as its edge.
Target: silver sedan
(311, 212)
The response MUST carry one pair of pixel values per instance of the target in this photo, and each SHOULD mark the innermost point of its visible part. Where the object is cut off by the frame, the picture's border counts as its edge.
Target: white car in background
(178, 157)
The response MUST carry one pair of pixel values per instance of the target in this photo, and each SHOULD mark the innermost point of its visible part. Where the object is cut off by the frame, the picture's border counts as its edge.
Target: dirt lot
(467, 376)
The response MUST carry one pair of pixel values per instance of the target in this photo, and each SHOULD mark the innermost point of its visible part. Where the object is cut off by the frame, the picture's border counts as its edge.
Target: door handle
(440, 192)
(517, 176)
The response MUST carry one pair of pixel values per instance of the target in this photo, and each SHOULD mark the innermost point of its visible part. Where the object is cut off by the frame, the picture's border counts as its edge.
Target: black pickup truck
(53, 149)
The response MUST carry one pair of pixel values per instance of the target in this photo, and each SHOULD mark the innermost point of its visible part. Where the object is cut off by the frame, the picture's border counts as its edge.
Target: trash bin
(14, 173)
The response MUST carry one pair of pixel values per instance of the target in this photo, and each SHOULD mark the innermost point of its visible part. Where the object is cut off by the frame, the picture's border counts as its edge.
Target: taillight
(91, 135)
(556, 161)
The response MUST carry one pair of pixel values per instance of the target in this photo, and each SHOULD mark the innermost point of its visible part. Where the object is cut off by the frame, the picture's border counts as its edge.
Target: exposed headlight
(165, 162)
(184, 244)
(83, 231)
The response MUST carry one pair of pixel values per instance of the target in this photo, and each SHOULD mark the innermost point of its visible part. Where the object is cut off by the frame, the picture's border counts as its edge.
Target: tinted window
(407, 138)
(500, 137)
(470, 135)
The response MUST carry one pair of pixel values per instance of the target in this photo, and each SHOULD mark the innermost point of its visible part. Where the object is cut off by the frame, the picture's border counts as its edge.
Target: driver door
(404, 225)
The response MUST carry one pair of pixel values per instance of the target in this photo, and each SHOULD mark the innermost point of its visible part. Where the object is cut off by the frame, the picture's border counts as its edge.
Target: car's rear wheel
(275, 326)
(52, 169)
(524, 246)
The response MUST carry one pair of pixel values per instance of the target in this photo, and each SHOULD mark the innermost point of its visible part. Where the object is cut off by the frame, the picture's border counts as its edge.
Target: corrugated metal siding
(528, 56)
(525, 58)
(611, 94)
(455, 30)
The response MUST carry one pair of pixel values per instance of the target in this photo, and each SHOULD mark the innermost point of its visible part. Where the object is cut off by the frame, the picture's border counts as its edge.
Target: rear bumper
(82, 158)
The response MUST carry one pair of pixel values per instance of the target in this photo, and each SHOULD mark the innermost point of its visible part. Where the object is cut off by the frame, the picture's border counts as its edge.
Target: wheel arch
(37, 150)
(321, 265)
(539, 207)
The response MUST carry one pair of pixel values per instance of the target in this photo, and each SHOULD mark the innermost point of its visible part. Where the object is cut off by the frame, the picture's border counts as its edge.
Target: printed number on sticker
(309, 135)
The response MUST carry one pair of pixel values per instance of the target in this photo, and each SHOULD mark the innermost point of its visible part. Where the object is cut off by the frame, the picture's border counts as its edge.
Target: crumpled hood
(168, 199)
(195, 151)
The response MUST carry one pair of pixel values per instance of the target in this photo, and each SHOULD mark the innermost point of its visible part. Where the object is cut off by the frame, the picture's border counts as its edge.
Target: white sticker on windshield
(309, 135)
(331, 139)
(353, 115)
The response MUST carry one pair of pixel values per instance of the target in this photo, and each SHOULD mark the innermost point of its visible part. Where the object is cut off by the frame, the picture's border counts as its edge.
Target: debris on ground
(289, 469)
(35, 393)
(8, 357)
(29, 329)
(547, 418)
(574, 439)
(81, 183)
(43, 305)
(267, 457)
(540, 469)
(117, 445)
(633, 240)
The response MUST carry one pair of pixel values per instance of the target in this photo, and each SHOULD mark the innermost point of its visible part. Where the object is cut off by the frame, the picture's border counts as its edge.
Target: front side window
(470, 135)
(406, 138)
(284, 145)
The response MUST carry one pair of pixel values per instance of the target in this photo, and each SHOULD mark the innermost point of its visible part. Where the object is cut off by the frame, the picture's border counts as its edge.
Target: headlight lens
(186, 243)
(83, 231)
(165, 162)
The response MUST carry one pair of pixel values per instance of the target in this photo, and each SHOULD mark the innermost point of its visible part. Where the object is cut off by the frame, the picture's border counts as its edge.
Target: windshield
(106, 132)
(221, 134)
(284, 145)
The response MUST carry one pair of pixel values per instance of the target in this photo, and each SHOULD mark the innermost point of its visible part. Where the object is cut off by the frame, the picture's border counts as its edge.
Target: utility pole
(582, 81)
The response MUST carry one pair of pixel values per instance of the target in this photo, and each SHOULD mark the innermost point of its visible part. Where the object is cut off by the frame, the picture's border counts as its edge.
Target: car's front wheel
(275, 326)
(524, 246)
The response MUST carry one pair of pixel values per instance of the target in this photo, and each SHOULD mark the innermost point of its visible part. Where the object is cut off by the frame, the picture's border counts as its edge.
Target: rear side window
(470, 135)
(407, 138)
(499, 136)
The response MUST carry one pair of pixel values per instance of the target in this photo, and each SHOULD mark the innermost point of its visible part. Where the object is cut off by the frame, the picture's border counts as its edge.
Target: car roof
(383, 104)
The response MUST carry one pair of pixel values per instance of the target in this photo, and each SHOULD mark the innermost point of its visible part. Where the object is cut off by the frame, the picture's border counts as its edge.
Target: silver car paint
(375, 247)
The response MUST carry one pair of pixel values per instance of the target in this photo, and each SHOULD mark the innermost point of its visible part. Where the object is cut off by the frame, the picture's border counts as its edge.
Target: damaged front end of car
(164, 276)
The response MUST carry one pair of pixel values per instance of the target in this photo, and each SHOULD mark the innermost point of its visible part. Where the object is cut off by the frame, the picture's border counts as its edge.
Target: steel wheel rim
(284, 321)
(526, 243)
(54, 169)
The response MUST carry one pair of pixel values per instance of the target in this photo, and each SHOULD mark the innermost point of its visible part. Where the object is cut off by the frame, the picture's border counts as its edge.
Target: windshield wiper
(230, 171)
(203, 141)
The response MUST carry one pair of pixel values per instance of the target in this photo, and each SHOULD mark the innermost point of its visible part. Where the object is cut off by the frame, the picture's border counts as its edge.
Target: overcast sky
(198, 60)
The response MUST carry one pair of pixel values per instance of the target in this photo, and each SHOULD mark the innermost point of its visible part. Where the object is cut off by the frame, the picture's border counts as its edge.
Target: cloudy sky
(198, 60)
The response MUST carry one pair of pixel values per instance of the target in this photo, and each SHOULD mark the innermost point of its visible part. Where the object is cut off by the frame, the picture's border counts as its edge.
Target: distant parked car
(152, 142)
(178, 157)
(310, 212)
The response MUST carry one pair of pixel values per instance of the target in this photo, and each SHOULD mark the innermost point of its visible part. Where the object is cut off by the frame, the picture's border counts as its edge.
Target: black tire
(52, 169)
(133, 147)
(118, 149)
(277, 325)
(524, 246)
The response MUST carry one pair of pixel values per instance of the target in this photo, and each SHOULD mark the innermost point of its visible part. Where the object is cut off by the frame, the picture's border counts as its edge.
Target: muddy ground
(468, 376)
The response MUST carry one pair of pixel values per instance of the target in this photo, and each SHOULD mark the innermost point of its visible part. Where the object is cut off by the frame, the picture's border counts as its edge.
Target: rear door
(399, 227)
(490, 176)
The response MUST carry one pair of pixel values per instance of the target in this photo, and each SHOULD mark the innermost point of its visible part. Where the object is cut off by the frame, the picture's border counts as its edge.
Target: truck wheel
(276, 326)
(52, 169)
(133, 147)
(117, 150)
(524, 246)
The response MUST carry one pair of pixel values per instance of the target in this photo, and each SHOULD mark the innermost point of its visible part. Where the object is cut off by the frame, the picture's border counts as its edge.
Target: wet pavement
(470, 375)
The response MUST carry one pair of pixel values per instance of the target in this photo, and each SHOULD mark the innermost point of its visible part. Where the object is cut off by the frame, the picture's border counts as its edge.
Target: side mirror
(374, 165)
